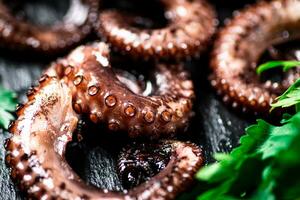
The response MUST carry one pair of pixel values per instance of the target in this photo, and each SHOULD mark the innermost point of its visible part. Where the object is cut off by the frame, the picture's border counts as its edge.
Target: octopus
(190, 27)
(47, 121)
(113, 99)
(75, 26)
(240, 46)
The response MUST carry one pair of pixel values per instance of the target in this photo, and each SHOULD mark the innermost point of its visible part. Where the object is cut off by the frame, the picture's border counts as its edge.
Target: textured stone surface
(215, 127)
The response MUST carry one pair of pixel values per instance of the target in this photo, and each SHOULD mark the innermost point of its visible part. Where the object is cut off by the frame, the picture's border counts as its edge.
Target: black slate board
(214, 127)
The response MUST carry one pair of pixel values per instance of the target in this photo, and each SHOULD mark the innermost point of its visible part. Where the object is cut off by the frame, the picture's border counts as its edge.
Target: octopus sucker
(239, 47)
(75, 26)
(98, 91)
(188, 33)
(36, 153)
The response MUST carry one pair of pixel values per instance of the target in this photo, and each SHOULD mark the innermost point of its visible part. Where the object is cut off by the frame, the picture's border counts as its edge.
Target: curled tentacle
(190, 28)
(98, 92)
(241, 44)
(139, 162)
(36, 153)
(75, 26)
(177, 162)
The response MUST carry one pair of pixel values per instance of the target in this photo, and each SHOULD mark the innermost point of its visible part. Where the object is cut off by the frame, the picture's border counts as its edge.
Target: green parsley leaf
(289, 98)
(266, 164)
(7, 105)
(254, 169)
(274, 64)
(280, 138)
(217, 171)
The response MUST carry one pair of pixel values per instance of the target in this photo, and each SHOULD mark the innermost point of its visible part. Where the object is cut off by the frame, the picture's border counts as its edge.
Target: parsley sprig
(266, 164)
(255, 169)
(7, 105)
(286, 65)
(291, 96)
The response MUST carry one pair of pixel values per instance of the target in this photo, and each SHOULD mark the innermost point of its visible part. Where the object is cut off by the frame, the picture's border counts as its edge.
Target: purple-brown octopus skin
(36, 153)
(239, 47)
(98, 92)
(188, 33)
(71, 30)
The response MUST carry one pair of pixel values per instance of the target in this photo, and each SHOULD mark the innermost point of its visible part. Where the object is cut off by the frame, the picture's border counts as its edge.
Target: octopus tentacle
(36, 153)
(191, 25)
(139, 162)
(75, 26)
(182, 164)
(239, 47)
(99, 93)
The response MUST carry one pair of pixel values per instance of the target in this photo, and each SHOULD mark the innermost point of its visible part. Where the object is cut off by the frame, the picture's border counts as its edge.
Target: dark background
(215, 127)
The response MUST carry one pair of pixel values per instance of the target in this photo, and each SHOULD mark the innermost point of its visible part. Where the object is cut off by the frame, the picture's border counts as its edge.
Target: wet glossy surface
(215, 127)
